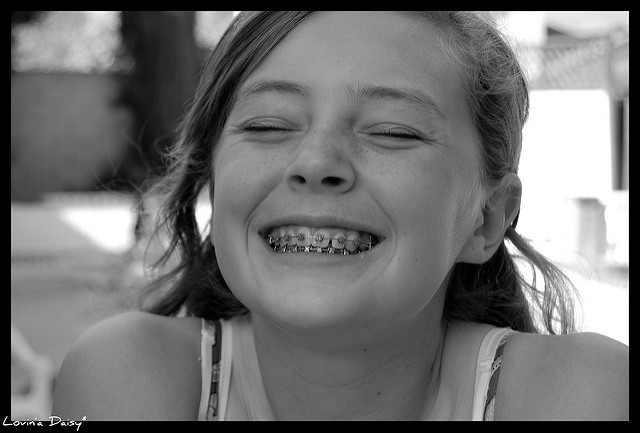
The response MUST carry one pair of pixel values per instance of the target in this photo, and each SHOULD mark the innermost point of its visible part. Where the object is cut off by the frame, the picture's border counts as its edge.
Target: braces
(359, 247)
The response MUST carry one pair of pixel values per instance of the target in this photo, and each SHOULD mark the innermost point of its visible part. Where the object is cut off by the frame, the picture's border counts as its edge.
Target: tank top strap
(215, 360)
(488, 371)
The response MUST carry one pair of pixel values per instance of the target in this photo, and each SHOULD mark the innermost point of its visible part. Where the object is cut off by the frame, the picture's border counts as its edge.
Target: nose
(321, 164)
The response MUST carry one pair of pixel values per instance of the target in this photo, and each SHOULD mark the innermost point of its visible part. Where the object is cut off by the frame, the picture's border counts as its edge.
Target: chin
(311, 307)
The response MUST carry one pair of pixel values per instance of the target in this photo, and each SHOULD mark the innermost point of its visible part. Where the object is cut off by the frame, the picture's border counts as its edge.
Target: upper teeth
(295, 238)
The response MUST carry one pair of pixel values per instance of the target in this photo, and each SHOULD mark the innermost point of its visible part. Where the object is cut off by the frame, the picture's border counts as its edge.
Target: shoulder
(583, 376)
(133, 365)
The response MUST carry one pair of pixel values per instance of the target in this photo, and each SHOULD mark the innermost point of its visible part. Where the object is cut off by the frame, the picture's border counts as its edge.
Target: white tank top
(216, 362)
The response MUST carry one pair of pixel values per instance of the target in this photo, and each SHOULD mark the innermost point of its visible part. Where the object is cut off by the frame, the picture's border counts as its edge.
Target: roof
(587, 24)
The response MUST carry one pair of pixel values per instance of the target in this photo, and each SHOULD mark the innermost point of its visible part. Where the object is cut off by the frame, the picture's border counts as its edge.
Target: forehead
(340, 50)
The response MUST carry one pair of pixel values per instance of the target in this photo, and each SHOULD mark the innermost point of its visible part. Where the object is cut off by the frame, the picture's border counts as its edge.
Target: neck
(389, 373)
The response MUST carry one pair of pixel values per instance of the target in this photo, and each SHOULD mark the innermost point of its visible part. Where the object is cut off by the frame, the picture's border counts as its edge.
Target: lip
(322, 221)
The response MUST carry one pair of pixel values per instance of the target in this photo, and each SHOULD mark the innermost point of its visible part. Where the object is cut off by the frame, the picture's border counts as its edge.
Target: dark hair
(495, 292)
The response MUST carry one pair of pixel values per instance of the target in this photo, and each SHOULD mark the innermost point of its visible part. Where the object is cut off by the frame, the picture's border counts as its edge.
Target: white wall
(567, 144)
(566, 171)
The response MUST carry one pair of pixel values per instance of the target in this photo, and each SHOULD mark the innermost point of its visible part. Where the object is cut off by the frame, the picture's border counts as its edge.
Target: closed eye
(263, 128)
(398, 133)
(266, 125)
(267, 131)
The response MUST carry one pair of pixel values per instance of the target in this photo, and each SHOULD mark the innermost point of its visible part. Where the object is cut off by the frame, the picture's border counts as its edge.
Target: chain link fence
(579, 65)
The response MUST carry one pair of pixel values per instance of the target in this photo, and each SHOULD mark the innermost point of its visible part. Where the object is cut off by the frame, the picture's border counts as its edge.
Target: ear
(210, 203)
(502, 207)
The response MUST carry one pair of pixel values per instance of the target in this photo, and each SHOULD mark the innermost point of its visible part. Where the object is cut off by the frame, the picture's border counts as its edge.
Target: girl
(362, 170)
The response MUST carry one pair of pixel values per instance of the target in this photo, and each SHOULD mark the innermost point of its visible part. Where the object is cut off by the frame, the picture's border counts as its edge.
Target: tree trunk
(165, 59)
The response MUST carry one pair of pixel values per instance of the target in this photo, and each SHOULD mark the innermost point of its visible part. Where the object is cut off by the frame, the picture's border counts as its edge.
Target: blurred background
(96, 97)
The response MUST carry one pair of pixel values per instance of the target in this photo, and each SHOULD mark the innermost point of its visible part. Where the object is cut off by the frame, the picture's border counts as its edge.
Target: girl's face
(352, 153)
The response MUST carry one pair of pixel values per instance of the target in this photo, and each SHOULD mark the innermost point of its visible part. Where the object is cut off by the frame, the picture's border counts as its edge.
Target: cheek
(238, 188)
(426, 208)
(241, 181)
(231, 199)
(243, 178)
(424, 216)
(468, 214)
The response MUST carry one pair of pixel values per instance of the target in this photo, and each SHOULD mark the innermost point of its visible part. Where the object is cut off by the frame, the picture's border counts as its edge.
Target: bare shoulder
(583, 376)
(132, 366)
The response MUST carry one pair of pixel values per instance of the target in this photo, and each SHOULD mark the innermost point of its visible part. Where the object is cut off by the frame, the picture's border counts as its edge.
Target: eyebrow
(273, 86)
(422, 100)
(399, 94)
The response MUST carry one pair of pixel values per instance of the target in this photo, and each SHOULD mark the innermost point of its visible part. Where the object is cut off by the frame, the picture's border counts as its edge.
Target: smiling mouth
(301, 239)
